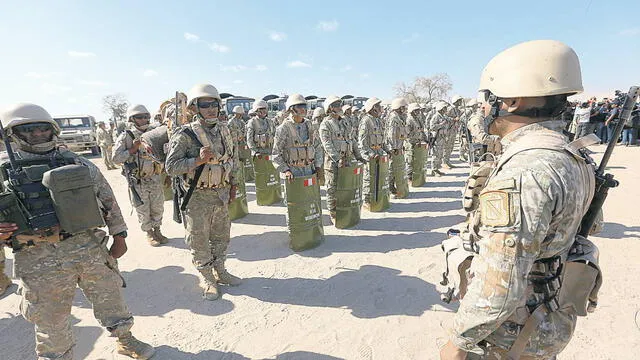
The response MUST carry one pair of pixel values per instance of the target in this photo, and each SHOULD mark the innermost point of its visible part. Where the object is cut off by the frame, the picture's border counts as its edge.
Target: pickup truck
(78, 132)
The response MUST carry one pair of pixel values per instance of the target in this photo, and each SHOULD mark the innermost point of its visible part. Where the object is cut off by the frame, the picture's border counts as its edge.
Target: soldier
(5, 281)
(479, 134)
(295, 156)
(104, 139)
(375, 191)
(529, 213)
(439, 125)
(50, 263)
(395, 135)
(204, 156)
(316, 120)
(144, 174)
(260, 134)
(238, 128)
(416, 145)
(340, 152)
(454, 115)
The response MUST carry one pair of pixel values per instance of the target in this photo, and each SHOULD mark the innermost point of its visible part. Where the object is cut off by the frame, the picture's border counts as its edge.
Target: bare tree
(115, 106)
(424, 89)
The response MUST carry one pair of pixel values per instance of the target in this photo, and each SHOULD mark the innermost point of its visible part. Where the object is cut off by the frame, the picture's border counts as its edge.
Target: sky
(67, 55)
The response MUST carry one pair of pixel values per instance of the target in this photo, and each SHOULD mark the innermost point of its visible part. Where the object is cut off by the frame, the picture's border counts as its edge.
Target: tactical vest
(401, 133)
(262, 136)
(300, 153)
(43, 195)
(145, 166)
(341, 140)
(217, 172)
(376, 133)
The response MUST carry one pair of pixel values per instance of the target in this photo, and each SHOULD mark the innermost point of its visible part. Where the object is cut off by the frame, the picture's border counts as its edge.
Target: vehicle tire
(95, 150)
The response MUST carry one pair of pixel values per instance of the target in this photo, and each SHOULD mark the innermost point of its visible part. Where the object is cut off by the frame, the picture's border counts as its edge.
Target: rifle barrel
(625, 114)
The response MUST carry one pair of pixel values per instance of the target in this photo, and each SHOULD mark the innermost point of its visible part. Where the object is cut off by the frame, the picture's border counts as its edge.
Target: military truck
(78, 132)
(229, 101)
(275, 103)
(355, 101)
(314, 102)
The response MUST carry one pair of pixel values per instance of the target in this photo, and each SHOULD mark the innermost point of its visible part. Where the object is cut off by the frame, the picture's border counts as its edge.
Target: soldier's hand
(118, 248)
(6, 230)
(136, 145)
(288, 175)
(451, 352)
(205, 155)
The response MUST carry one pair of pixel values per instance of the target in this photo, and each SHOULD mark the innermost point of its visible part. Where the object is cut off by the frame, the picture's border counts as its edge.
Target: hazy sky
(66, 55)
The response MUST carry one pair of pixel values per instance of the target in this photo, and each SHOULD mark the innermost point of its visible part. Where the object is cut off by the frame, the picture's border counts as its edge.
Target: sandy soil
(365, 293)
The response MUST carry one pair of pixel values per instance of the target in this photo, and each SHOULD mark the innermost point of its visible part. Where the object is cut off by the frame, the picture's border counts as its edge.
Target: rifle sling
(196, 177)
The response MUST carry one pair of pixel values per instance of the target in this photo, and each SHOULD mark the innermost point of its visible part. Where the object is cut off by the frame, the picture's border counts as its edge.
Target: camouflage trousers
(366, 183)
(408, 155)
(151, 211)
(450, 139)
(208, 228)
(331, 177)
(50, 274)
(106, 151)
(438, 151)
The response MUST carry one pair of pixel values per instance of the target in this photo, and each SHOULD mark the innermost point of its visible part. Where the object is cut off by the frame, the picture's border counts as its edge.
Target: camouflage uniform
(451, 133)
(395, 135)
(530, 210)
(206, 218)
(50, 273)
(238, 129)
(260, 133)
(440, 124)
(105, 141)
(416, 135)
(370, 129)
(480, 136)
(149, 184)
(335, 136)
(284, 140)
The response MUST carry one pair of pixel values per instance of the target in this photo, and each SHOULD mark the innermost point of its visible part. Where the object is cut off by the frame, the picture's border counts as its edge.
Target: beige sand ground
(366, 293)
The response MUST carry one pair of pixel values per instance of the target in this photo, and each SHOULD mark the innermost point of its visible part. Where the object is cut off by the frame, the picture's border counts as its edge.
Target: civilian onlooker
(612, 120)
(598, 119)
(581, 117)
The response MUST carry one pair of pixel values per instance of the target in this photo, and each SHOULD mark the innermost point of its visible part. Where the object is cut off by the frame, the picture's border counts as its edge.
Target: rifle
(604, 182)
(178, 191)
(128, 171)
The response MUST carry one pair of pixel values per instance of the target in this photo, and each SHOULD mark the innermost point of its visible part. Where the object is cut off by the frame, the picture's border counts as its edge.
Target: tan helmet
(238, 109)
(533, 69)
(318, 112)
(472, 102)
(413, 107)
(370, 103)
(136, 109)
(346, 108)
(201, 91)
(295, 99)
(397, 103)
(260, 104)
(456, 98)
(440, 105)
(26, 113)
(330, 100)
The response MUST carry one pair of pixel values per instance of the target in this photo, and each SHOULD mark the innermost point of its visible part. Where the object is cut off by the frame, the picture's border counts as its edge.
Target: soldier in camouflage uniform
(453, 113)
(5, 281)
(55, 263)
(416, 134)
(395, 135)
(439, 125)
(206, 142)
(238, 129)
(147, 172)
(479, 134)
(316, 120)
(529, 213)
(370, 142)
(105, 140)
(260, 131)
(335, 137)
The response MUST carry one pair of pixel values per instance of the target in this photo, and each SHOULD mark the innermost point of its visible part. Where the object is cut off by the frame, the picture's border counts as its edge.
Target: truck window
(68, 123)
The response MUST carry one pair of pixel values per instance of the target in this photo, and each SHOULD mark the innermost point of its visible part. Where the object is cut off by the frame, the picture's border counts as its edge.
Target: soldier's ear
(512, 104)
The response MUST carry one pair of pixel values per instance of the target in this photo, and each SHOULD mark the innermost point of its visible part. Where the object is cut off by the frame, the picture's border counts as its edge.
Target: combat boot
(5, 282)
(209, 286)
(224, 277)
(151, 238)
(159, 237)
(130, 346)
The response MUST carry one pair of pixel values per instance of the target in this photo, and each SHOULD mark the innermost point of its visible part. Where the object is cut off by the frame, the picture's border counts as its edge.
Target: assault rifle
(604, 182)
(128, 171)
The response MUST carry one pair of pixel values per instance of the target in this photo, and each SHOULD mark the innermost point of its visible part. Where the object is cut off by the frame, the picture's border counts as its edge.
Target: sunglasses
(142, 117)
(28, 128)
(300, 106)
(336, 104)
(208, 104)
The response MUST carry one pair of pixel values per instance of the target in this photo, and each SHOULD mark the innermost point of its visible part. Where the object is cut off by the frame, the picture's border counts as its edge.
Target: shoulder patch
(495, 208)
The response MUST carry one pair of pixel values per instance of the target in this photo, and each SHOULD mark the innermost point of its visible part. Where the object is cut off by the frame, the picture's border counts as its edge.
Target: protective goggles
(142, 117)
(300, 106)
(336, 104)
(28, 128)
(208, 104)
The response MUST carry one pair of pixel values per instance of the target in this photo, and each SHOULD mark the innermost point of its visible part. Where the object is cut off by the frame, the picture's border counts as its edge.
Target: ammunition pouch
(582, 278)
(455, 278)
(476, 181)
